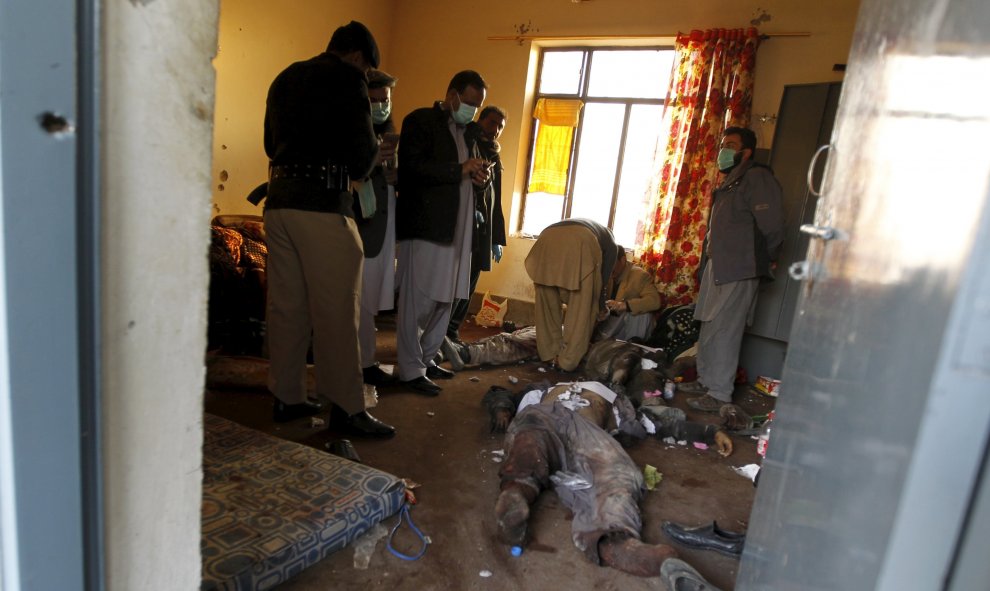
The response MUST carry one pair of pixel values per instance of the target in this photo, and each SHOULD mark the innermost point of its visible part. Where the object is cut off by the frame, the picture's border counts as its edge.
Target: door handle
(822, 232)
(811, 170)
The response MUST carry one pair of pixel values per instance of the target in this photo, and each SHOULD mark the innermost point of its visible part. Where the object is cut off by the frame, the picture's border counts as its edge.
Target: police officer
(319, 136)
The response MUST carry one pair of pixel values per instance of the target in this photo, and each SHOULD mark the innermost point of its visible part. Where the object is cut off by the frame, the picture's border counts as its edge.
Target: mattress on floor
(272, 507)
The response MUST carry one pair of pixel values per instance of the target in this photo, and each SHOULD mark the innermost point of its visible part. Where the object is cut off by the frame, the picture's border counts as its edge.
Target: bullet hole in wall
(223, 176)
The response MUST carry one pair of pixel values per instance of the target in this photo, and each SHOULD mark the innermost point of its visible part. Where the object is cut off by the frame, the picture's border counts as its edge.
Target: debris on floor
(364, 546)
(652, 476)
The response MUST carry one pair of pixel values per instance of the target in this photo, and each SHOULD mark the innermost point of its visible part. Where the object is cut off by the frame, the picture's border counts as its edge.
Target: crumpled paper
(652, 476)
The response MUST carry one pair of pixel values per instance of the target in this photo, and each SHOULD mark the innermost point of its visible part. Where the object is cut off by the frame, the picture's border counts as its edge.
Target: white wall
(158, 128)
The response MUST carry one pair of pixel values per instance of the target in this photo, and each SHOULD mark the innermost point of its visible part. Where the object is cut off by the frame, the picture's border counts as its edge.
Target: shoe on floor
(734, 418)
(283, 413)
(678, 575)
(451, 352)
(435, 372)
(707, 537)
(376, 376)
(423, 385)
(705, 403)
(360, 424)
(691, 388)
(345, 449)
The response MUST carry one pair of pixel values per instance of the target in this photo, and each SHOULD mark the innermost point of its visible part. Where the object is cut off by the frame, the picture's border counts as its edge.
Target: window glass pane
(542, 209)
(634, 74)
(645, 141)
(561, 73)
(594, 178)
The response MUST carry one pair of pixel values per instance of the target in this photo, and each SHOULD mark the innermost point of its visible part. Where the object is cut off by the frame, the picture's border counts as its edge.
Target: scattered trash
(485, 574)
(315, 422)
(364, 546)
(652, 476)
(569, 480)
(669, 440)
(681, 442)
(700, 445)
(668, 390)
(513, 380)
(653, 394)
(767, 386)
(749, 470)
(648, 363)
(474, 379)
(430, 413)
(541, 369)
(516, 551)
(763, 441)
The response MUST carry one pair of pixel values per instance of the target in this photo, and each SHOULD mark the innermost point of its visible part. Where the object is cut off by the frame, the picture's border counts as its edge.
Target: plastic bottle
(668, 390)
(764, 438)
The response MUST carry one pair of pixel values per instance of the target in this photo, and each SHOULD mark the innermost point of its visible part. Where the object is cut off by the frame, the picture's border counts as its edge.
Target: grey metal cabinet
(804, 123)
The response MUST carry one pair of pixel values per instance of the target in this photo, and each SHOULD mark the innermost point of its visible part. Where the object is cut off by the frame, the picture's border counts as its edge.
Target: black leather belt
(335, 175)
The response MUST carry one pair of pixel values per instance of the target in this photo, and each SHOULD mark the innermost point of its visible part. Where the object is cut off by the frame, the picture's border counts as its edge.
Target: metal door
(883, 419)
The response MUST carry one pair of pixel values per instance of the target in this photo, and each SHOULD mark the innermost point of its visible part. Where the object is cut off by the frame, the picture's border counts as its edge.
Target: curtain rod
(617, 37)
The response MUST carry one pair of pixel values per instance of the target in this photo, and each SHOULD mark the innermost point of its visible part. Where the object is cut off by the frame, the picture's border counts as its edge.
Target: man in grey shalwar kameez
(434, 221)
(745, 232)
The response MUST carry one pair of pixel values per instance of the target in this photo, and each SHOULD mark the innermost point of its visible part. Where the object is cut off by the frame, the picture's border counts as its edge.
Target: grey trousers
(723, 311)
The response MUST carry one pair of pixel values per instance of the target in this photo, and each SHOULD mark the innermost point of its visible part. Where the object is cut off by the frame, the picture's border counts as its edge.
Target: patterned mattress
(273, 507)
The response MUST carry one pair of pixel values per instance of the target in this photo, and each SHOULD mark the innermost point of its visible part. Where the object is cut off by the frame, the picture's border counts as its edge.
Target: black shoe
(361, 424)
(343, 448)
(376, 376)
(708, 537)
(438, 373)
(678, 575)
(283, 413)
(423, 385)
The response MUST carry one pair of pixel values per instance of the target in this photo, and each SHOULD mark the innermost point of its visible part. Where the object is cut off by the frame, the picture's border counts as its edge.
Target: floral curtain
(711, 89)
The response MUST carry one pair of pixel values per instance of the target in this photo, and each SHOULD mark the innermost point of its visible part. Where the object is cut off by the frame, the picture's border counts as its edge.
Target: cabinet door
(804, 122)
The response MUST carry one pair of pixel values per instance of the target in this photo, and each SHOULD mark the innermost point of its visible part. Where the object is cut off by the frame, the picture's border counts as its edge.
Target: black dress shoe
(283, 413)
(361, 424)
(423, 385)
(376, 376)
(438, 373)
(708, 537)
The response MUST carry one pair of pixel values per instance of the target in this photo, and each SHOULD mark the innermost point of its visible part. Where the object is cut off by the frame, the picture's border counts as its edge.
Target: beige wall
(259, 38)
(158, 118)
(425, 43)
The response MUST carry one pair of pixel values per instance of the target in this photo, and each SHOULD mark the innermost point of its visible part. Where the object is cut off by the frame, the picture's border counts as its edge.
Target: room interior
(808, 46)
(167, 112)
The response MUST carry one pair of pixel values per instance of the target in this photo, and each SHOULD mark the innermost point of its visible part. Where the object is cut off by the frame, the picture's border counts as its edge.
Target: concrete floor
(444, 444)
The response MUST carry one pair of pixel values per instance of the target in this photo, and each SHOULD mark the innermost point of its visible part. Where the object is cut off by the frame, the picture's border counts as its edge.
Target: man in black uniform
(318, 136)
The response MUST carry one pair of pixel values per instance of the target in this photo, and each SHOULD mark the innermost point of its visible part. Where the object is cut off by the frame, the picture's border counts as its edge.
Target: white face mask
(380, 112)
(465, 113)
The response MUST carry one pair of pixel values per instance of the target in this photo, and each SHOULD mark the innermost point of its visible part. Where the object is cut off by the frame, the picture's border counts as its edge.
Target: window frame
(587, 63)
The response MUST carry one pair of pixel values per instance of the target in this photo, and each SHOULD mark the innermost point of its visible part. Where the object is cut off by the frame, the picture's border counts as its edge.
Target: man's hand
(724, 444)
(617, 306)
(497, 252)
(500, 419)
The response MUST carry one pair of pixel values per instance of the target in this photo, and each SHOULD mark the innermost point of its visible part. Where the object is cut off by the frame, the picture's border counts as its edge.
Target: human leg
(579, 322)
(720, 339)
(549, 318)
(288, 321)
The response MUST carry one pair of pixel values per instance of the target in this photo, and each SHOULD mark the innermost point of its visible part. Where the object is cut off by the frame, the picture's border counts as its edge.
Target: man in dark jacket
(377, 228)
(489, 223)
(438, 171)
(745, 232)
(318, 136)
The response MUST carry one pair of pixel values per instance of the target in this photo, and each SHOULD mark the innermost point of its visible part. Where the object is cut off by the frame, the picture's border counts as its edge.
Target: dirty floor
(444, 444)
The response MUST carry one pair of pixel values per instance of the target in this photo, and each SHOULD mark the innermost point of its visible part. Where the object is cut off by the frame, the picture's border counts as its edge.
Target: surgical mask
(465, 113)
(380, 112)
(726, 159)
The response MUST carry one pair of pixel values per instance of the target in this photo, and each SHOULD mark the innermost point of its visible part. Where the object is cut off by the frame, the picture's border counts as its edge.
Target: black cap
(355, 37)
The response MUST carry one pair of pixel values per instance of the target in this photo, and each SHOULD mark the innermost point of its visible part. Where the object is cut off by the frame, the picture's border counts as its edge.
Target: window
(597, 128)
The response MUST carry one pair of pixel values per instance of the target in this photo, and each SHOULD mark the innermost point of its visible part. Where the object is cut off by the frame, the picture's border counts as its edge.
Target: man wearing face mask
(745, 233)
(377, 227)
(489, 223)
(435, 216)
(319, 137)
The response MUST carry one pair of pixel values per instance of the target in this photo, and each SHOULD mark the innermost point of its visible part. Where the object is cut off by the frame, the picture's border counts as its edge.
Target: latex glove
(724, 444)
(479, 217)
(497, 252)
